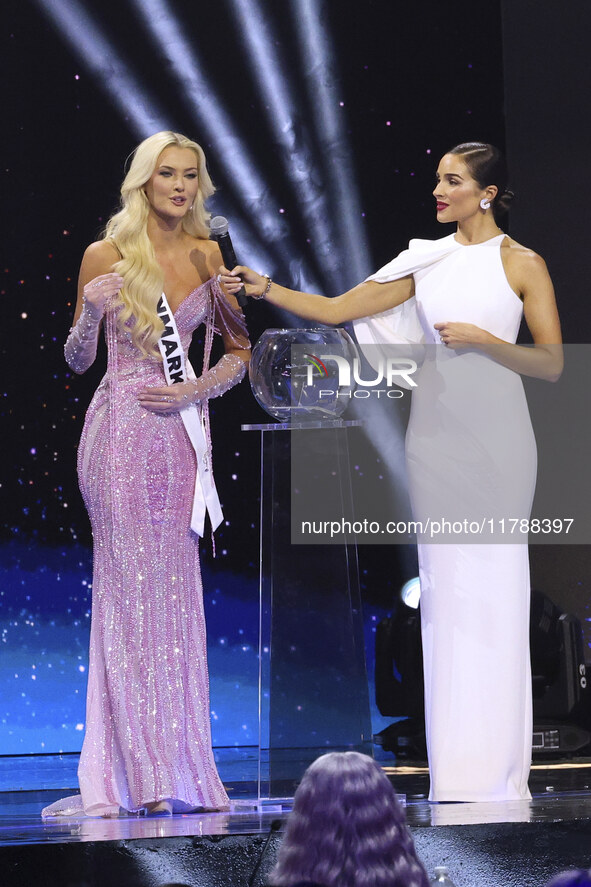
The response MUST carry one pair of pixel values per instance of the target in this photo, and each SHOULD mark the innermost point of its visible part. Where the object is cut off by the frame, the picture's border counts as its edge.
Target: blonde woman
(144, 466)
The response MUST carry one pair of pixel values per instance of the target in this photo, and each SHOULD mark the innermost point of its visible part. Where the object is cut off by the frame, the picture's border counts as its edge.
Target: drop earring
(485, 204)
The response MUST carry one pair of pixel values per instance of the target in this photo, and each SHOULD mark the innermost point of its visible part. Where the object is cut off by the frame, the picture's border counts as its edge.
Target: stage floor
(516, 844)
(561, 791)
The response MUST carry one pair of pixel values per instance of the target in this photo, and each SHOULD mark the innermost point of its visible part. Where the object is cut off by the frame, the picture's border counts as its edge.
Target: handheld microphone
(218, 228)
(275, 826)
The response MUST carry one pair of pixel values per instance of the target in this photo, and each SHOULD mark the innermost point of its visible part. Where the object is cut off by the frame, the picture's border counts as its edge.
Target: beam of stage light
(321, 78)
(251, 189)
(102, 60)
(383, 429)
(289, 129)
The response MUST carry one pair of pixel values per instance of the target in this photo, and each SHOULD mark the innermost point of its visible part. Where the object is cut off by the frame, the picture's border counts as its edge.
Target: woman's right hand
(232, 281)
(99, 290)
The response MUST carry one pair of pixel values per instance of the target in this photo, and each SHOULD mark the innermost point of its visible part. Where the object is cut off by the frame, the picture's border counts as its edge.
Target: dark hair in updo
(487, 167)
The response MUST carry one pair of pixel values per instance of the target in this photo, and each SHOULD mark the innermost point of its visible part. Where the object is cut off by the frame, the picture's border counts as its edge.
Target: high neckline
(480, 242)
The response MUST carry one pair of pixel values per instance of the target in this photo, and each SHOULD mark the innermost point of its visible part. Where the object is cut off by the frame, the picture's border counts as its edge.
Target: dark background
(413, 79)
(427, 73)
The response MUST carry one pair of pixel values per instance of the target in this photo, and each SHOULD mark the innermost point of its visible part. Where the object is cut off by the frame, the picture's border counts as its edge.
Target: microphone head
(218, 226)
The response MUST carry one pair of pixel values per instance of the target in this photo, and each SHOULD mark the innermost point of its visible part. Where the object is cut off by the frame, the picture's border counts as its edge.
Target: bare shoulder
(100, 256)
(521, 258)
(210, 250)
(205, 256)
(526, 270)
(206, 244)
(213, 257)
(528, 275)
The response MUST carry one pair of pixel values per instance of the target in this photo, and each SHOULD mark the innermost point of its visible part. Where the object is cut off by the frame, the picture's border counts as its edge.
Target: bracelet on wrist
(263, 295)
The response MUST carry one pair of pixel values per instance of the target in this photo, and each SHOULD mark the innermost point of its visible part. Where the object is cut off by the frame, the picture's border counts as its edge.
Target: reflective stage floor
(517, 843)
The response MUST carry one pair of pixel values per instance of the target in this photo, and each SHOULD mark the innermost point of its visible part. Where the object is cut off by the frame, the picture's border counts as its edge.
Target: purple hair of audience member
(347, 829)
(572, 878)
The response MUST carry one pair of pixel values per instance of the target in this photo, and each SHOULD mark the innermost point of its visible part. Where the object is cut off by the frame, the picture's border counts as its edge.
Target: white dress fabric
(470, 454)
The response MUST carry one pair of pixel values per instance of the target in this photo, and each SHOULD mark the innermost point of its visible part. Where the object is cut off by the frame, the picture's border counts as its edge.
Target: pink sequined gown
(148, 731)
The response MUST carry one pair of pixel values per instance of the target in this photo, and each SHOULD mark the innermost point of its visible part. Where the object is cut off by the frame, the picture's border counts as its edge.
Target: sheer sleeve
(229, 322)
(231, 368)
(81, 345)
(226, 373)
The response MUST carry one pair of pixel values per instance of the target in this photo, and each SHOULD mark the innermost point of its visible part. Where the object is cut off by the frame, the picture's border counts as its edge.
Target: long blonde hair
(127, 228)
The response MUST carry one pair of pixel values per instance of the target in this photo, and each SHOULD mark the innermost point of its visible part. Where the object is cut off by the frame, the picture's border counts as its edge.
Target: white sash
(178, 369)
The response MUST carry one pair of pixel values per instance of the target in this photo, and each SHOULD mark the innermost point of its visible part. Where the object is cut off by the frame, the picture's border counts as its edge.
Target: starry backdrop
(404, 83)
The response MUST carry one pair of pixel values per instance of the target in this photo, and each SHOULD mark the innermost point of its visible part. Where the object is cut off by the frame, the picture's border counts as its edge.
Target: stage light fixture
(559, 671)
(561, 697)
(100, 58)
(410, 593)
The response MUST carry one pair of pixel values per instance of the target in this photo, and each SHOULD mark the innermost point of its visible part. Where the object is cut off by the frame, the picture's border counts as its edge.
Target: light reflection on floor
(560, 792)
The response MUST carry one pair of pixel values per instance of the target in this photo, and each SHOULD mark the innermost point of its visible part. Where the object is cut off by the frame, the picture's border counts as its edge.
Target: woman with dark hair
(486, 165)
(144, 467)
(347, 829)
(471, 460)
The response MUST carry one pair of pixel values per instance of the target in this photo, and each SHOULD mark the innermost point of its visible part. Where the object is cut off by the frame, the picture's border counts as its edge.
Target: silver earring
(485, 203)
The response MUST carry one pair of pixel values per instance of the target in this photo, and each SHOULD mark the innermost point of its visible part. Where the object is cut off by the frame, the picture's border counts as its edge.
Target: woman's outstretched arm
(364, 299)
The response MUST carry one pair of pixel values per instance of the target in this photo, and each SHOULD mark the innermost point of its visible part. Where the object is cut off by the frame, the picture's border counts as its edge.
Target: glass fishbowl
(303, 374)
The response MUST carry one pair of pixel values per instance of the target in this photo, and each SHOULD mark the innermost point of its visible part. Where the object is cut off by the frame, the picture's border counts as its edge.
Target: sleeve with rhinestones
(227, 372)
(81, 344)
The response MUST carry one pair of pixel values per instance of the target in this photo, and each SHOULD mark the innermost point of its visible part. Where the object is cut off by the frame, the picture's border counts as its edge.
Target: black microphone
(218, 228)
(274, 827)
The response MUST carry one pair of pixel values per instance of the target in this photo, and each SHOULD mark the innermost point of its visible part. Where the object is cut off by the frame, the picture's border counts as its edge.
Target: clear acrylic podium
(313, 691)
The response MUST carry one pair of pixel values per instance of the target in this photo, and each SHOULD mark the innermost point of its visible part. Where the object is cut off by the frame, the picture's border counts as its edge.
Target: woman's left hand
(460, 335)
(168, 399)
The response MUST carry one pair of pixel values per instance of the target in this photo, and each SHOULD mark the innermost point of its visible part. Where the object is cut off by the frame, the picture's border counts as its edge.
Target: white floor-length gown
(471, 456)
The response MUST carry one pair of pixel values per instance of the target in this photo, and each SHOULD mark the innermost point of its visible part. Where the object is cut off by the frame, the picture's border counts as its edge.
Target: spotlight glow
(289, 126)
(322, 182)
(248, 185)
(92, 46)
(321, 82)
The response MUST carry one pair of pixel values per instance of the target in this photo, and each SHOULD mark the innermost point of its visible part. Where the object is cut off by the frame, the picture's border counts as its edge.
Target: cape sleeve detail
(401, 325)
